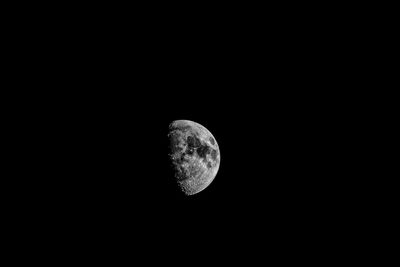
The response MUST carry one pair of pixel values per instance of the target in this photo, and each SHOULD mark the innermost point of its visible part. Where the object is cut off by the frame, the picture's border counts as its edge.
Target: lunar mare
(195, 127)
(195, 155)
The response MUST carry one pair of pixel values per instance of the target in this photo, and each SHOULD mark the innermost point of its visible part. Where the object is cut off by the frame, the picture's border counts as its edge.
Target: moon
(197, 163)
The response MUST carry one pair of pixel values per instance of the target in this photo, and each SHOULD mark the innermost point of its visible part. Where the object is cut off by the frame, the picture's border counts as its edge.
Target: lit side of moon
(194, 154)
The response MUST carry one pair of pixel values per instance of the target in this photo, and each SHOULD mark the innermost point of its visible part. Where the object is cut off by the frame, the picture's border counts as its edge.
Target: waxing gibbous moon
(195, 155)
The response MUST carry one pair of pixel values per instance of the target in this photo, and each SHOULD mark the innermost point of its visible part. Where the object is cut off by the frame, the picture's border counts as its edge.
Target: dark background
(272, 94)
(274, 123)
(271, 110)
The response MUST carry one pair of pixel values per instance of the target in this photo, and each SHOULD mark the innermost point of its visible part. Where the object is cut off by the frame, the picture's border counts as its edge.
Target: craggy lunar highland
(194, 155)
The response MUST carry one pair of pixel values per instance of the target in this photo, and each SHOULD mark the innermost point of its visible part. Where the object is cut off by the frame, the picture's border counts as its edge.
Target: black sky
(272, 107)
